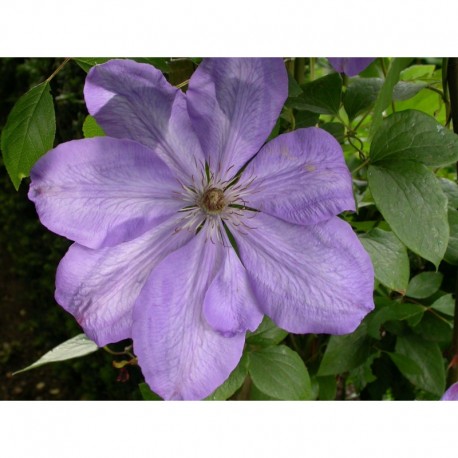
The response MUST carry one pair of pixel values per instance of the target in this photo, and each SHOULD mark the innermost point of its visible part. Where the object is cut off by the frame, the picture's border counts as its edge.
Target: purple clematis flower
(351, 66)
(451, 394)
(153, 206)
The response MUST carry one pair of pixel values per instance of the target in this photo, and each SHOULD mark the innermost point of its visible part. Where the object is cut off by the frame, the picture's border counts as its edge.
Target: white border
(237, 28)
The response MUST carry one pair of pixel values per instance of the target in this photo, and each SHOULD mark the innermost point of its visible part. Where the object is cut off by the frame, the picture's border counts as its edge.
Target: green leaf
(406, 366)
(306, 119)
(86, 63)
(445, 304)
(320, 96)
(426, 101)
(75, 347)
(327, 388)
(336, 129)
(280, 373)
(451, 254)
(389, 257)
(415, 72)
(147, 393)
(392, 311)
(293, 87)
(361, 95)
(160, 63)
(434, 329)
(450, 189)
(233, 383)
(344, 353)
(266, 334)
(29, 132)
(257, 395)
(412, 202)
(412, 135)
(386, 92)
(424, 285)
(91, 128)
(362, 375)
(428, 357)
(406, 90)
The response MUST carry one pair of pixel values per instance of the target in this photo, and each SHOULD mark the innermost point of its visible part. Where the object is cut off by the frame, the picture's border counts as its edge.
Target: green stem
(452, 80)
(299, 69)
(312, 68)
(360, 166)
(58, 69)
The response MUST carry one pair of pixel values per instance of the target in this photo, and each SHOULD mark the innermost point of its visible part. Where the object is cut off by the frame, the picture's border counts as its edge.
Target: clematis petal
(234, 104)
(135, 101)
(451, 394)
(181, 356)
(300, 177)
(102, 191)
(308, 279)
(351, 66)
(99, 287)
(230, 306)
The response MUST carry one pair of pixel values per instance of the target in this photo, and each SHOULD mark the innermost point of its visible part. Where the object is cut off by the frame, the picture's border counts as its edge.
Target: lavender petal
(102, 191)
(234, 104)
(300, 177)
(230, 306)
(351, 66)
(99, 287)
(181, 356)
(308, 279)
(451, 394)
(135, 101)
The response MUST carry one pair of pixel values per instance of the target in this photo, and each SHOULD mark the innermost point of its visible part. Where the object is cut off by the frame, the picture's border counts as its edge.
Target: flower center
(213, 201)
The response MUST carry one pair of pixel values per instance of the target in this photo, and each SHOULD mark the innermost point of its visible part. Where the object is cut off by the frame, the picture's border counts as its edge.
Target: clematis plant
(188, 228)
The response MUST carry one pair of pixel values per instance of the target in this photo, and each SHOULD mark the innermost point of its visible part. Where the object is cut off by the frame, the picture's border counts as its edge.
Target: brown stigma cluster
(213, 201)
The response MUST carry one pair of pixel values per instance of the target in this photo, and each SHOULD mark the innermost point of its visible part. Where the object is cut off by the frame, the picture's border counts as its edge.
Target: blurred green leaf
(427, 102)
(280, 373)
(86, 63)
(233, 383)
(361, 95)
(306, 119)
(386, 92)
(389, 257)
(160, 63)
(451, 254)
(336, 129)
(434, 329)
(424, 285)
(393, 311)
(327, 388)
(428, 358)
(266, 334)
(406, 365)
(416, 72)
(445, 304)
(405, 90)
(91, 128)
(29, 132)
(412, 202)
(344, 353)
(412, 135)
(293, 87)
(75, 347)
(320, 96)
(450, 189)
(147, 393)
